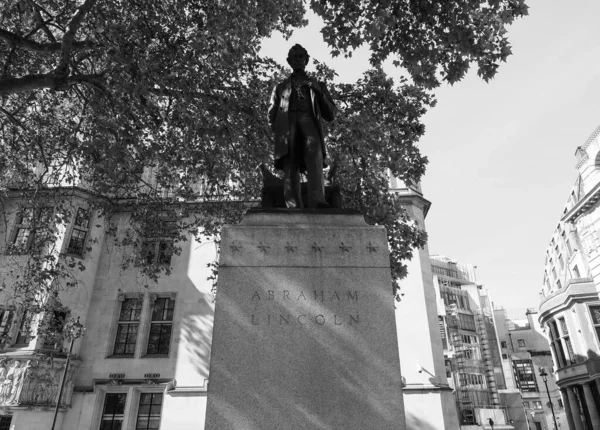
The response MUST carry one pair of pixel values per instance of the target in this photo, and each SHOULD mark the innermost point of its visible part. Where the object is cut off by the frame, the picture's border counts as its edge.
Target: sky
(501, 154)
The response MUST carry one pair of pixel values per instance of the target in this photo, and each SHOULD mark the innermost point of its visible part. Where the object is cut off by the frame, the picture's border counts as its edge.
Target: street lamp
(73, 330)
(544, 376)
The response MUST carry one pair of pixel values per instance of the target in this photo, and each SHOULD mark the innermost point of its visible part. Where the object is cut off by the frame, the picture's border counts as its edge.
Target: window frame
(74, 227)
(104, 404)
(7, 323)
(159, 232)
(136, 416)
(33, 224)
(61, 317)
(595, 326)
(122, 299)
(4, 426)
(144, 324)
(24, 319)
(133, 393)
(153, 298)
(524, 373)
(521, 343)
(467, 325)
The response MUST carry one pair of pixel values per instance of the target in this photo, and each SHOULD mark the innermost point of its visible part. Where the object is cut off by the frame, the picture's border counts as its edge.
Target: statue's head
(298, 57)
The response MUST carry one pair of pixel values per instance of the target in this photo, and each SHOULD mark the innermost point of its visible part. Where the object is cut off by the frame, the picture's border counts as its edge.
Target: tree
(153, 104)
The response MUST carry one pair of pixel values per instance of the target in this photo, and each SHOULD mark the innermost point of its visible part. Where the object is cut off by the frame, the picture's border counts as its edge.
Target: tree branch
(48, 80)
(14, 40)
(68, 40)
(40, 21)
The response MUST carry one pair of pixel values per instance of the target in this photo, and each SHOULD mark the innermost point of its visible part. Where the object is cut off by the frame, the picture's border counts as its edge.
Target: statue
(297, 108)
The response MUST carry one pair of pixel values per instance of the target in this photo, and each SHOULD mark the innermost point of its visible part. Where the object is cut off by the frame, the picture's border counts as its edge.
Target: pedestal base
(304, 333)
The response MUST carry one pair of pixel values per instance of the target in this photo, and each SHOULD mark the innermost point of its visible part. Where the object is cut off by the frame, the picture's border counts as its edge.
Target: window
(556, 344)
(114, 408)
(505, 356)
(6, 317)
(561, 261)
(157, 244)
(31, 231)
(558, 284)
(79, 232)
(526, 405)
(524, 375)
(467, 322)
(503, 344)
(554, 272)
(148, 417)
(467, 338)
(576, 273)
(159, 339)
(595, 313)
(564, 332)
(5, 422)
(560, 404)
(127, 328)
(24, 334)
(537, 405)
(521, 343)
(475, 380)
(54, 324)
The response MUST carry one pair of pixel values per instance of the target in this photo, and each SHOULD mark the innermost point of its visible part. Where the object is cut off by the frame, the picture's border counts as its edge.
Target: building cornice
(578, 373)
(591, 138)
(583, 205)
(414, 198)
(577, 291)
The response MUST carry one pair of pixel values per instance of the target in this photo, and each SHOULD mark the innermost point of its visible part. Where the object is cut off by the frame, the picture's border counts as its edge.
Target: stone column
(575, 410)
(567, 405)
(591, 404)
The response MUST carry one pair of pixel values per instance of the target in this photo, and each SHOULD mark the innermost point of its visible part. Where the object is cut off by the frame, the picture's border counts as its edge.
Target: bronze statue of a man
(297, 108)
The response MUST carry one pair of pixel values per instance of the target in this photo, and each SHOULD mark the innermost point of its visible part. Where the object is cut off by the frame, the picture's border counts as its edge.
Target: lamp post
(73, 330)
(544, 376)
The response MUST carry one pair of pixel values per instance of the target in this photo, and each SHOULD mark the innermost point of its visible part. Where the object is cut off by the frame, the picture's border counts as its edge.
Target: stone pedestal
(304, 334)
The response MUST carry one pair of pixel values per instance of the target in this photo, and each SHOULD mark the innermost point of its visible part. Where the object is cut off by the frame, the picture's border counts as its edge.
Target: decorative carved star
(235, 246)
(371, 247)
(344, 247)
(290, 248)
(318, 248)
(264, 248)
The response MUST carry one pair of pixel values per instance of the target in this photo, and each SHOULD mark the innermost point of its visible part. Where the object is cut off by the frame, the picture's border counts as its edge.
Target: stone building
(570, 307)
(144, 358)
(471, 347)
(143, 361)
(428, 398)
(525, 352)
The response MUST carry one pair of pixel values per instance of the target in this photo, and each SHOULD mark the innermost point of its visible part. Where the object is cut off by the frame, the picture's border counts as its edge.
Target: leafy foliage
(427, 36)
(158, 107)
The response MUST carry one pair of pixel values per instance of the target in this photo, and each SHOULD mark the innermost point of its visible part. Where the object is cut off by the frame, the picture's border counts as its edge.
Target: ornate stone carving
(34, 382)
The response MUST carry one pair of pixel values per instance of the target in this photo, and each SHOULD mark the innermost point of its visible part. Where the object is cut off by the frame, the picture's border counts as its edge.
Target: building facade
(471, 347)
(570, 305)
(143, 362)
(428, 398)
(526, 354)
